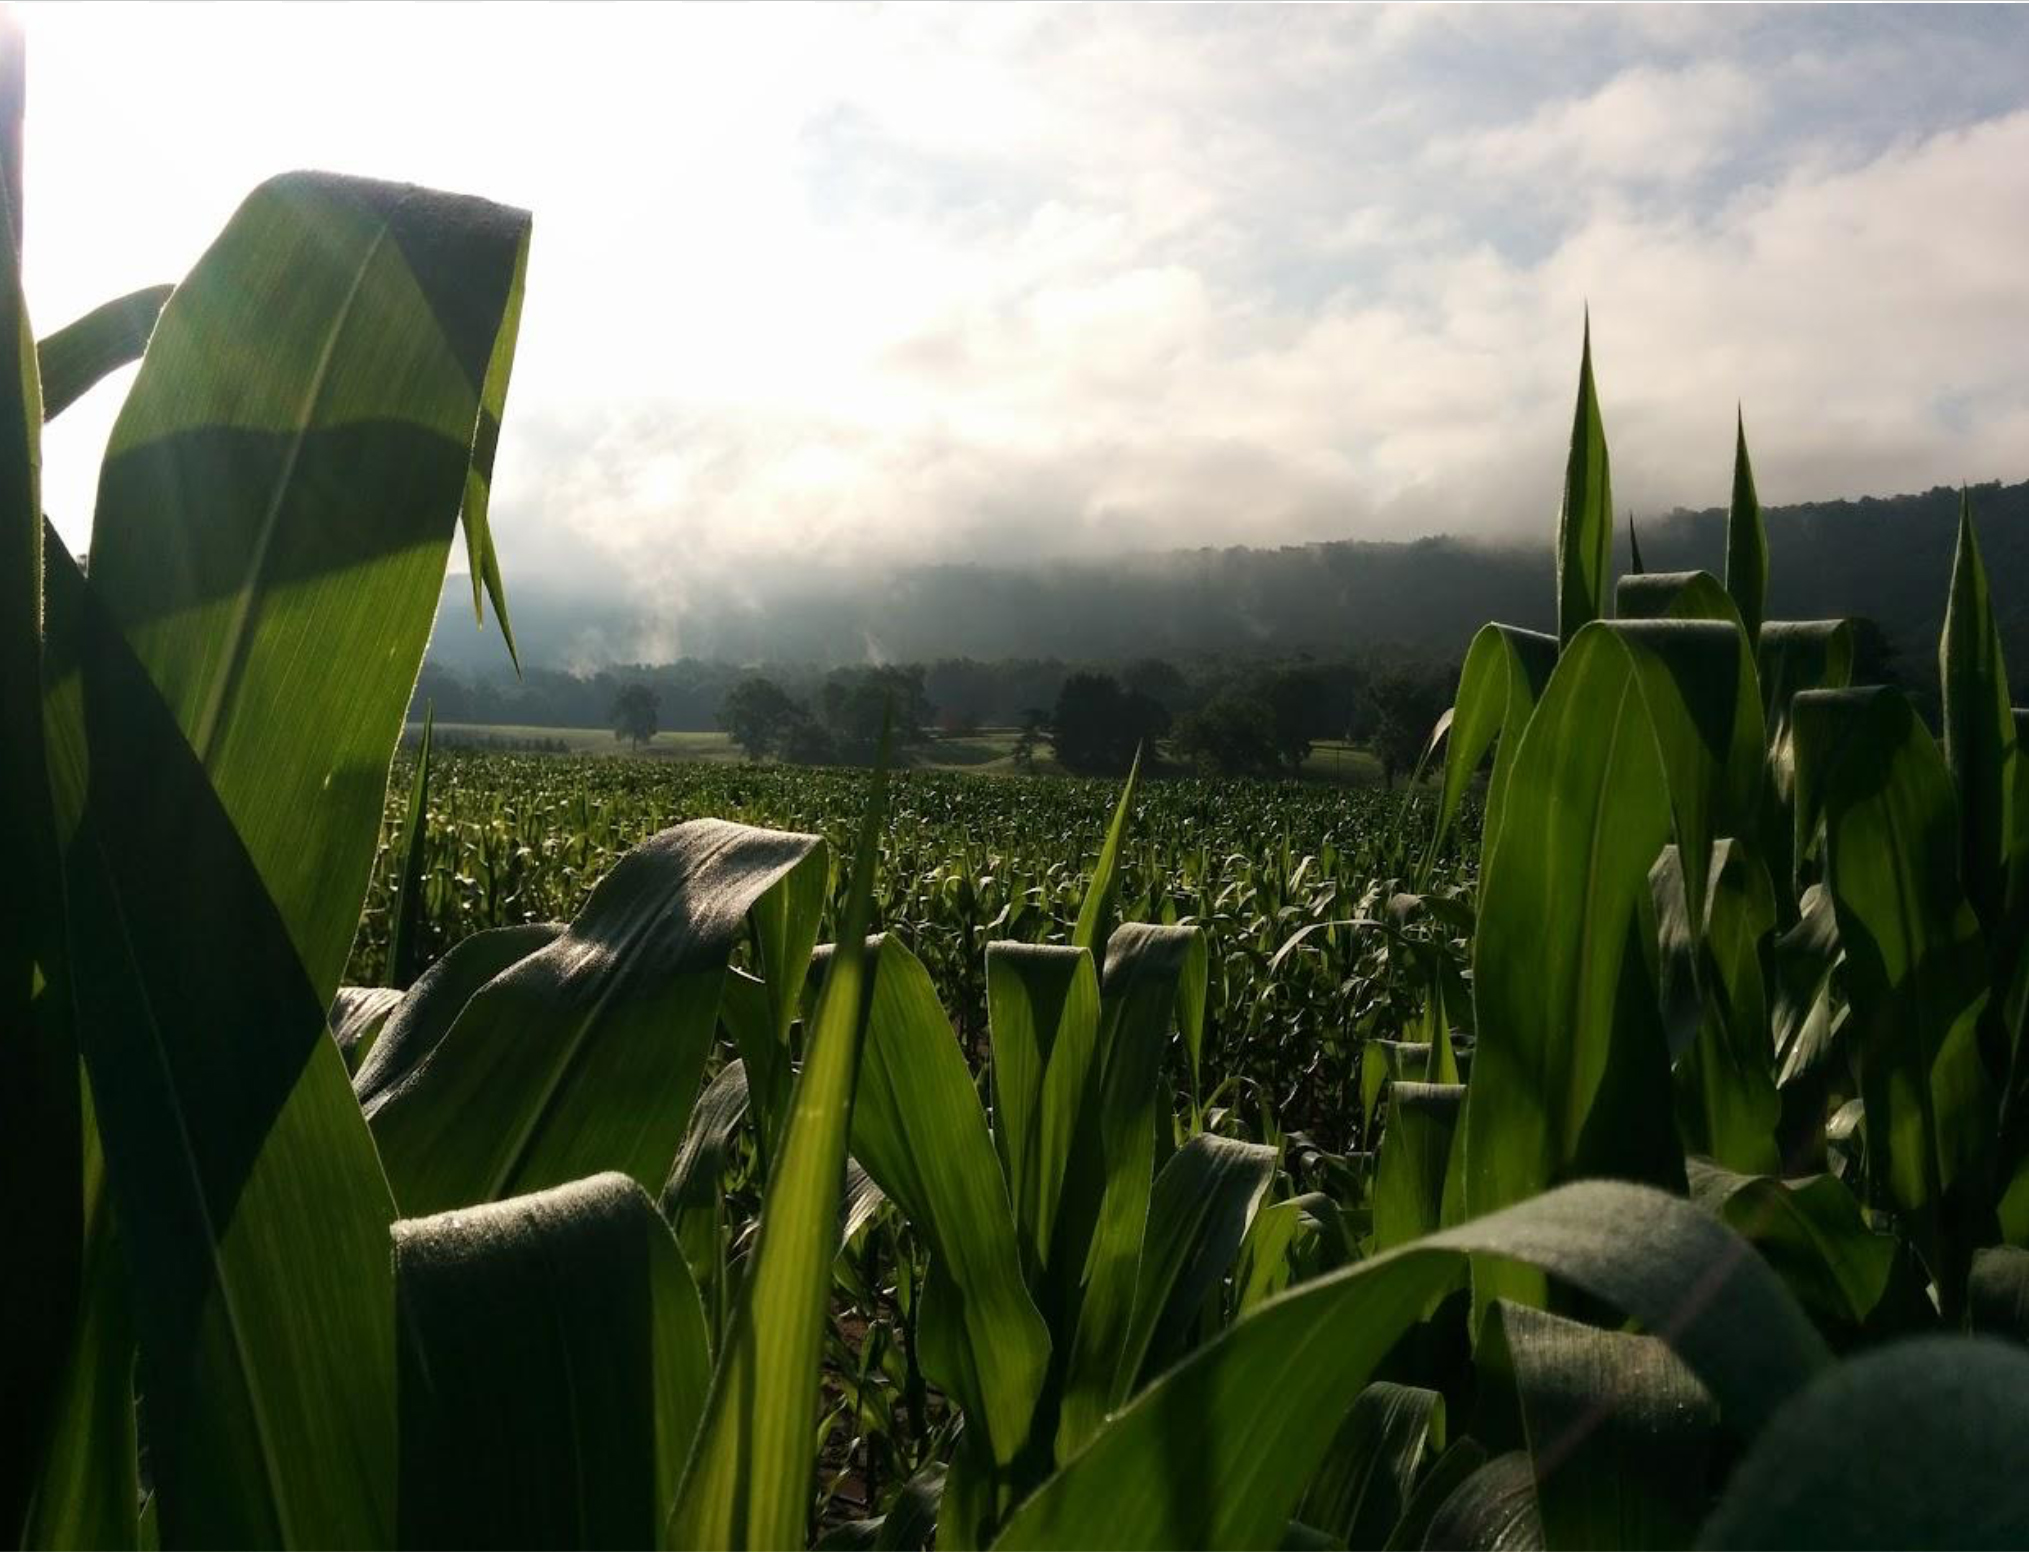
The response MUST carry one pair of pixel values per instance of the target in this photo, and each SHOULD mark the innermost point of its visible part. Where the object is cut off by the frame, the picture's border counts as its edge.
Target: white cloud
(839, 287)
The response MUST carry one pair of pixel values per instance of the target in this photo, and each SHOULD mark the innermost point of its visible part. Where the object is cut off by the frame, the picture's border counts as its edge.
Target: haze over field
(868, 287)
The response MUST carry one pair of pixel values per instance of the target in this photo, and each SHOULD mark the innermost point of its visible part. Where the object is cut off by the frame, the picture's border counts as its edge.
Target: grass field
(988, 751)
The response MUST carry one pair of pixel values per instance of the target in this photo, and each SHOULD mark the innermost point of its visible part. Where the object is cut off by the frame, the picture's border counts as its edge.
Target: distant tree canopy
(759, 715)
(1407, 705)
(1230, 736)
(635, 710)
(855, 703)
(1096, 726)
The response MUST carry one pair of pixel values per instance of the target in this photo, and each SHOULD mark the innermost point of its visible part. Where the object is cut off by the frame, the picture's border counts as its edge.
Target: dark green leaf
(1811, 1231)
(277, 503)
(1585, 526)
(748, 1483)
(1416, 1147)
(1619, 1432)
(1916, 969)
(1918, 1445)
(417, 1023)
(1217, 1451)
(1369, 1475)
(85, 350)
(1746, 541)
(1979, 730)
(586, 1055)
(405, 947)
(553, 1369)
(1505, 671)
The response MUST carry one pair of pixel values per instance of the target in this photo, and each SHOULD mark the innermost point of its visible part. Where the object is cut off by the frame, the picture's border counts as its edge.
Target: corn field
(1626, 1147)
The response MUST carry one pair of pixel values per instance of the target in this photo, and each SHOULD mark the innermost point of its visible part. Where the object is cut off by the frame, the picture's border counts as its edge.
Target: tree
(1096, 726)
(1230, 736)
(855, 703)
(758, 713)
(1407, 705)
(1035, 721)
(635, 711)
(1299, 712)
(1160, 681)
(806, 742)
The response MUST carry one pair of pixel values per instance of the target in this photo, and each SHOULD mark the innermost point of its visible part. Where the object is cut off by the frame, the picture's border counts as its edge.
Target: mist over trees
(1885, 558)
(1240, 660)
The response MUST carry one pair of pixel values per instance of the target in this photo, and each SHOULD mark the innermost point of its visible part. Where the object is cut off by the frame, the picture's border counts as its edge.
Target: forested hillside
(996, 641)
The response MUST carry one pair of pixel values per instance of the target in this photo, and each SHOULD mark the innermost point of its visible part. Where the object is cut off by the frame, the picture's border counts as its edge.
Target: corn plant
(1675, 1153)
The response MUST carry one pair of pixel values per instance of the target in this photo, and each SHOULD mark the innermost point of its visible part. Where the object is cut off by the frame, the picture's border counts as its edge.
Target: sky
(844, 287)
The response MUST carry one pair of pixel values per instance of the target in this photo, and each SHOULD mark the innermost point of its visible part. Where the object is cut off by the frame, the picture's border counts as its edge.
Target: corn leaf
(1916, 968)
(277, 502)
(1727, 1107)
(1415, 1149)
(252, 1211)
(41, 1160)
(88, 1493)
(415, 1025)
(1492, 1507)
(1681, 596)
(481, 560)
(356, 1017)
(1619, 1432)
(919, 1131)
(1979, 730)
(1648, 731)
(1811, 1231)
(1746, 541)
(1364, 1487)
(748, 1482)
(85, 350)
(586, 1056)
(1155, 979)
(1215, 1454)
(1200, 1209)
(1505, 671)
(405, 949)
(1956, 1411)
(553, 1369)
(1585, 525)
(1102, 896)
(1043, 1015)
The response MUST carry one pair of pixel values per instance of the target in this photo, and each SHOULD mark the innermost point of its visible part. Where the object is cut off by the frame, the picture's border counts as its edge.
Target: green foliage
(635, 711)
(1229, 1190)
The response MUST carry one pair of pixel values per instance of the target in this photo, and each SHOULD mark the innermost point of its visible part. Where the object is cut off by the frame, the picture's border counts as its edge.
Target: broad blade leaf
(1956, 1411)
(748, 1483)
(1979, 730)
(553, 1369)
(1746, 541)
(1043, 1012)
(919, 1131)
(1369, 1475)
(1585, 525)
(1619, 1431)
(1505, 671)
(1215, 1454)
(1811, 1231)
(251, 1207)
(1415, 1148)
(1916, 969)
(85, 350)
(277, 504)
(405, 949)
(586, 1055)
(421, 1016)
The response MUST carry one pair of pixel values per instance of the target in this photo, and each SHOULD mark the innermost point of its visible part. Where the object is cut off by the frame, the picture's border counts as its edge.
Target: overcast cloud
(857, 285)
